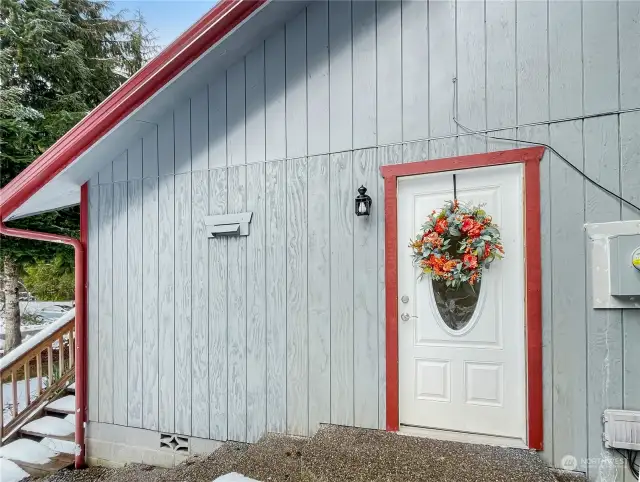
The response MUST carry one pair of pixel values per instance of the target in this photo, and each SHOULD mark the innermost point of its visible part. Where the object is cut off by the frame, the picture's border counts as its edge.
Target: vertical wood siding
(134, 301)
(218, 313)
(297, 290)
(256, 304)
(319, 290)
(120, 266)
(200, 305)
(105, 303)
(237, 313)
(285, 329)
(182, 309)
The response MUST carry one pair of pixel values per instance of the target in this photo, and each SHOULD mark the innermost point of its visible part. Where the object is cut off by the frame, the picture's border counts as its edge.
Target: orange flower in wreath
(476, 230)
(449, 265)
(467, 224)
(437, 264)
(470, 261)
(434, 240)
(441, 226)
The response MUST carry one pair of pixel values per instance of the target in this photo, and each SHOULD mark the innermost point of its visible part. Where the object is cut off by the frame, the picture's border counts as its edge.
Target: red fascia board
(211, 28)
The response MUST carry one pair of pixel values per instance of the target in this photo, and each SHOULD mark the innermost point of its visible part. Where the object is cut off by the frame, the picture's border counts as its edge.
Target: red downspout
(80, 296)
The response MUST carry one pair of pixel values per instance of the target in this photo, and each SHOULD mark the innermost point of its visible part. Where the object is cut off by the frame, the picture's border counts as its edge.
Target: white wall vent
(228, 224)
(622, 429)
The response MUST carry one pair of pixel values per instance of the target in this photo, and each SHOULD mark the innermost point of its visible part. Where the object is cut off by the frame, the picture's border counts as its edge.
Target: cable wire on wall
(533, 143)
(631, 457)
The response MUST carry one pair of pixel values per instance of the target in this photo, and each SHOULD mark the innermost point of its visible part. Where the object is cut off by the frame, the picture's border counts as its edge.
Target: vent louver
(173, 442)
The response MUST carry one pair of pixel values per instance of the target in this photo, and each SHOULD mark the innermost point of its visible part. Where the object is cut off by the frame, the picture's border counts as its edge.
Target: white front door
(462, 362)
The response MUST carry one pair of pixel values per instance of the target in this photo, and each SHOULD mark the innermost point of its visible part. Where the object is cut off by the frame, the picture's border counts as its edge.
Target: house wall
(284, 329)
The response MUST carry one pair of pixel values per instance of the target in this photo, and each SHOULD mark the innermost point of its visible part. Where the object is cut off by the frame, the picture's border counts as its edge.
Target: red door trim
(530, 157)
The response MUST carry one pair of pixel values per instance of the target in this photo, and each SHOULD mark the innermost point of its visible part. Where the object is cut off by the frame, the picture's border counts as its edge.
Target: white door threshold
(462, 437)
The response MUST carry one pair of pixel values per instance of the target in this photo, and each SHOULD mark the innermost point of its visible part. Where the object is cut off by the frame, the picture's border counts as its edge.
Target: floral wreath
(455, 243)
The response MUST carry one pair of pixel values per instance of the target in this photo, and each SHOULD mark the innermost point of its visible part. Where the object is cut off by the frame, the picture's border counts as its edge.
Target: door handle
(406, 316)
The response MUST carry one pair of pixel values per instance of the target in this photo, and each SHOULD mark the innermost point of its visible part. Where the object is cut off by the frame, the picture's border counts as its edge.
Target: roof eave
(194, 42)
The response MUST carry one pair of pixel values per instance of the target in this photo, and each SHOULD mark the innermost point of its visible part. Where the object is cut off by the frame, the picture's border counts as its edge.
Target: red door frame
(530, 157)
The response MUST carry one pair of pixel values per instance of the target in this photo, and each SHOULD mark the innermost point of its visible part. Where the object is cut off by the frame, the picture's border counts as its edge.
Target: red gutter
(80, 297)
(211, 28)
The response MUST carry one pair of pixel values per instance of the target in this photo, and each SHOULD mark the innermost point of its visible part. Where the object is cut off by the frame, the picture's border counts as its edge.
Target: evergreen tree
(58, 60)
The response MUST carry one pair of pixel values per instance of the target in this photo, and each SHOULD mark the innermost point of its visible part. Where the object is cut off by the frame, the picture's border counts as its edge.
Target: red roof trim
(211, 28)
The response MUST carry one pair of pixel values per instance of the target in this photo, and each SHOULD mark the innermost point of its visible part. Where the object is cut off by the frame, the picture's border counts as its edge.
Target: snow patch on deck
(27, 451)
(60, 446)
(65, 404)
(50, 426)
(10, 472)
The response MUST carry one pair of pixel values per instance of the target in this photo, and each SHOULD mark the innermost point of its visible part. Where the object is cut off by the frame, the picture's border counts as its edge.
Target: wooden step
(34, 458)
(66, 405)
(50, 427)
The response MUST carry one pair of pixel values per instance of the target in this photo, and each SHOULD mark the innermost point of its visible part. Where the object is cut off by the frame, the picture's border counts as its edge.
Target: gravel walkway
(340, 454)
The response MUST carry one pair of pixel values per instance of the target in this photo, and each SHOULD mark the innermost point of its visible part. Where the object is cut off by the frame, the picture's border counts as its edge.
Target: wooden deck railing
(35, 372)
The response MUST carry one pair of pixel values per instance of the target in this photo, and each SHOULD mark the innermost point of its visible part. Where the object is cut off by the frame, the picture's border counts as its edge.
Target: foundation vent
(173, 442)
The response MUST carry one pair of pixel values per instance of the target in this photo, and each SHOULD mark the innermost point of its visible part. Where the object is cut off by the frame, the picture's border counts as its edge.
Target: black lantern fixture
(363, 202)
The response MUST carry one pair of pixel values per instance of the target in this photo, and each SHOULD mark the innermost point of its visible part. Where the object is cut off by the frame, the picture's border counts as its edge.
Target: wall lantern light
(363, 202)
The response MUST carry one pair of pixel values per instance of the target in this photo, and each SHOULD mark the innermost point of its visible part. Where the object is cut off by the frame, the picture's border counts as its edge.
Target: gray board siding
(284, 330)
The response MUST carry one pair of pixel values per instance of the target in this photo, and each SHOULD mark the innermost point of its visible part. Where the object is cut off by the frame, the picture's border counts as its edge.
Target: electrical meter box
(624, 261)
(614, 264)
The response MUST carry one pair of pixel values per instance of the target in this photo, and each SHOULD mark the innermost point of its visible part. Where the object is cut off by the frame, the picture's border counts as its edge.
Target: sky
(167, 18)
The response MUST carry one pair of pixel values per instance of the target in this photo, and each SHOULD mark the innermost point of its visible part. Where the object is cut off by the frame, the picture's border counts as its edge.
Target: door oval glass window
(456, 306)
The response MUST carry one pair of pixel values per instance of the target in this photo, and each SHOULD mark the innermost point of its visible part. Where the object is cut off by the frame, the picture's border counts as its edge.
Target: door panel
(461, 354)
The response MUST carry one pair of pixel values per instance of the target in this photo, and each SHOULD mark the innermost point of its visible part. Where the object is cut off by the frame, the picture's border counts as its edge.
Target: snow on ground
(48, 311)
(234, 477)
(7, 397)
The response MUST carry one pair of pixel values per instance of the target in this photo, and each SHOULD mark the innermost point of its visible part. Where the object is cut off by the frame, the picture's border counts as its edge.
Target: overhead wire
(534, 143)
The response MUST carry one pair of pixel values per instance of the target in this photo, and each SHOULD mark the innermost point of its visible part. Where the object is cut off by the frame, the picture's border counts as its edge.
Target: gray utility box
(613, 264)
(624, 273)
